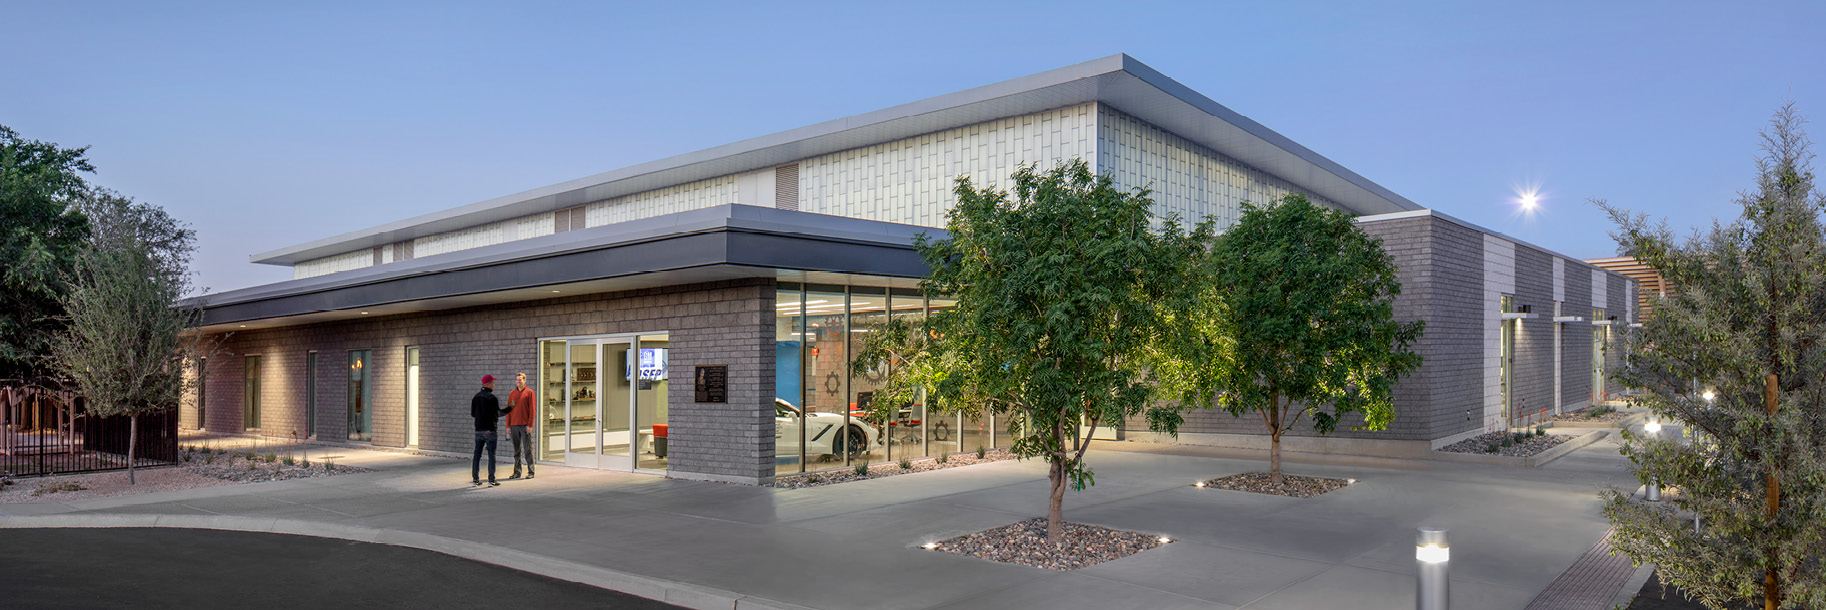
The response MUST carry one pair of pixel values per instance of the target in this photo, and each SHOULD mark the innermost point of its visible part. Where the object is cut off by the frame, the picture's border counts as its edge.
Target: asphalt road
(204, 569)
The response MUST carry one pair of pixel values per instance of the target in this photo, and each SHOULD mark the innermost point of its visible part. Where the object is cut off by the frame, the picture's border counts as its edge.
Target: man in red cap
(520, 412)
(486, 410)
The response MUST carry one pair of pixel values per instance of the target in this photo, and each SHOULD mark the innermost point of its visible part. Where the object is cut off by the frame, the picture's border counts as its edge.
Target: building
(727, 287)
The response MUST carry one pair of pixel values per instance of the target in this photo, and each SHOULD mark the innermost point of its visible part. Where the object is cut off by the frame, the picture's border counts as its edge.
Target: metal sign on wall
(713, 383)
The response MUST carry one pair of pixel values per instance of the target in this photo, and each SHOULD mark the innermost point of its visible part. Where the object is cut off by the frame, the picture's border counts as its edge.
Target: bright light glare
(1527, 201)
(1432, 554)
(930, 545)
(1652, 427)
(1709, 396)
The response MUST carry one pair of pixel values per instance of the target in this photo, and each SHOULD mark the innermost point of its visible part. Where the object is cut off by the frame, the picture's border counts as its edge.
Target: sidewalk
(1513, 530)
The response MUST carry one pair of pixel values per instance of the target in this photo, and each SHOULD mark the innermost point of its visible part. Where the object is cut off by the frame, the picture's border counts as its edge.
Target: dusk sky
(265, 127)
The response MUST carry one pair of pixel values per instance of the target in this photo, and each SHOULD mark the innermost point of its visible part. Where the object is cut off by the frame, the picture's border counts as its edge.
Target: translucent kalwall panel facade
(1185, 178)
(681, 198)
(909, 181)
(330, 264)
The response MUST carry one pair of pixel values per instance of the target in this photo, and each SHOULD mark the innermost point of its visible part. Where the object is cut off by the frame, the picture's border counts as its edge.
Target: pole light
(1433, 556)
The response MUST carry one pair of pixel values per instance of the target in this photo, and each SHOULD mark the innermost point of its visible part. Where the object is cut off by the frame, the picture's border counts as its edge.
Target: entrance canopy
(719, 243)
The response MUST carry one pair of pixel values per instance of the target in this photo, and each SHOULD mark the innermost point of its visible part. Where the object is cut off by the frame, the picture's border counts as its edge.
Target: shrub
(272, 458)
(1508, 442)
(59, 487)
(906, 465)
(813, 479)
(1491, 448)
(862, 469)
(944, 458)
(980, 452)
(289, 461)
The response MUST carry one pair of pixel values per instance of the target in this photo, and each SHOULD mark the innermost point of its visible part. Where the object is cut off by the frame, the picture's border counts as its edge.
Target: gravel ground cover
(888, 469)
(1531, 445)
(1025, 543)
(196, 469)
(1296, 486)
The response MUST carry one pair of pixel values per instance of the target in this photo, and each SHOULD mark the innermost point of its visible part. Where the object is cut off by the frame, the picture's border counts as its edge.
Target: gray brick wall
(1575, 339)
(718, 323)
(1441, 273)
(1532, 376)
(1617, 302)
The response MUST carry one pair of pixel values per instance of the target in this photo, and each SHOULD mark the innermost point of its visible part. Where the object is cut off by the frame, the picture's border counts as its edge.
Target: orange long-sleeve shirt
(524, 410)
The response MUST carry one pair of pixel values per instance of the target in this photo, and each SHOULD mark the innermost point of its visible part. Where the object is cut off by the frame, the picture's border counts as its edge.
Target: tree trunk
(132, 444)
(1055, 510)
(1772, 588)
(1274, 459)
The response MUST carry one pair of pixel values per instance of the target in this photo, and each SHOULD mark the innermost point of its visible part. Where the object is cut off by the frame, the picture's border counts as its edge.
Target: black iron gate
(44, 432)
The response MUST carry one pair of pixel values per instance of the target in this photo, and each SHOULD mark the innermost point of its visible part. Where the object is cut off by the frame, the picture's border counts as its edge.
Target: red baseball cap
(488, 379)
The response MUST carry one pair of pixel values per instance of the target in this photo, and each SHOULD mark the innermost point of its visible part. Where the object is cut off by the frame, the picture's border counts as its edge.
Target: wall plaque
(713, 383)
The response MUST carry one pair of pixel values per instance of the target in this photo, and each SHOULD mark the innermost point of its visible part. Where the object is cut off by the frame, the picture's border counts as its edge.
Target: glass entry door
(602, 402)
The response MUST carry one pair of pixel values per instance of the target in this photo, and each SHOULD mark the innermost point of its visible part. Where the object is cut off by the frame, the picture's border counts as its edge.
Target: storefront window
(789, 378)
(550, 397)
(826, 411)
(868, 314)
(361, 394)
(650, 402)
(907, 435)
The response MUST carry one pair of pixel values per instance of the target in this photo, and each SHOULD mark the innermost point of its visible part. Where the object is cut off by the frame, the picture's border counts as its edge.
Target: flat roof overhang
(721, 243)
(1117, 80)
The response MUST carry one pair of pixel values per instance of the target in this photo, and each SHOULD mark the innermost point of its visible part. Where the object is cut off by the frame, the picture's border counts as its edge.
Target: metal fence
(44, 431)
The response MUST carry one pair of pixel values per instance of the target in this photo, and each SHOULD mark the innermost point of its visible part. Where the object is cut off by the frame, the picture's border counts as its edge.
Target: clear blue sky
(266, 127)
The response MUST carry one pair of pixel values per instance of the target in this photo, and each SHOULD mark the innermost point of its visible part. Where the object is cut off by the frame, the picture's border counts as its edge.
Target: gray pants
(523, 448)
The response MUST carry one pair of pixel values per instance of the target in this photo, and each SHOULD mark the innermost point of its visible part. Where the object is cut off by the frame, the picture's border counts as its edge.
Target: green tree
(125, 342)
(1748, 321)
(1300, 323)
(1056, 286)
(39, 239)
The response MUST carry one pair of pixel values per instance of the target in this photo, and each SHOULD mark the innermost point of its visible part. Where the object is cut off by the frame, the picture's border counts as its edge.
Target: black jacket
(486, 409)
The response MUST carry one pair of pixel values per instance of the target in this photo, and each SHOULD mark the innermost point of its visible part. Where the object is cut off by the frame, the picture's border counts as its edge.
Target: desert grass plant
(944, 458)
(862, 469)
(906, 464)
(59, 488)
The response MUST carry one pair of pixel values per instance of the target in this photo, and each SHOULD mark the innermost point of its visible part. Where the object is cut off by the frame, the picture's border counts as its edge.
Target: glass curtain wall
(789, 378)
(550, 398)
(250, 393)
(907, 436)
(650, 402)
(869, 314)
(310, 395)
(823, 415)
(361, 394)
(202, 393)
(411, 397)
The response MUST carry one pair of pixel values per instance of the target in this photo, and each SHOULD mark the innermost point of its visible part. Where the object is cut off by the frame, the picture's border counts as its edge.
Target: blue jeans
(485, 439)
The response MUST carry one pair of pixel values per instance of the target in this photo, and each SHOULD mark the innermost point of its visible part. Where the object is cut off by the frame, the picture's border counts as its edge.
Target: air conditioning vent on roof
(786, 187)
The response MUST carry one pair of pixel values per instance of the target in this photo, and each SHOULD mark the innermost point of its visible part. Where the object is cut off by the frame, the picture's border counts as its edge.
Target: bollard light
(1433, 556)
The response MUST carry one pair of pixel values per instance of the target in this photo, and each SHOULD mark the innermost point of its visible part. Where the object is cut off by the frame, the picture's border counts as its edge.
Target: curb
(1633, 419)
(1533, 461)
(682, 594)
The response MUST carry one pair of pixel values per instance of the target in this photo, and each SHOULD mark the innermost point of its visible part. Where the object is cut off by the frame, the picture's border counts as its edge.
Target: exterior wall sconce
(1433, 556)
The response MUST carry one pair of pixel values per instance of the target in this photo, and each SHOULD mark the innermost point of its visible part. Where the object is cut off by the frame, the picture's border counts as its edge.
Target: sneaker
(529, 475)
(493, 484)
(514, 476)
(475, 482)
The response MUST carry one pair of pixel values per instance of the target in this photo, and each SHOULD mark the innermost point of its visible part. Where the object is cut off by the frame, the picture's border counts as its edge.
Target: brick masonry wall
(1575, 340)
(717, 323)
(1618, 305)
(1532, 375)
(1441, 277)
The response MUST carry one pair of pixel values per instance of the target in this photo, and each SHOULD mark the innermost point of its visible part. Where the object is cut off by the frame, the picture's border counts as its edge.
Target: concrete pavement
(701, 544)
